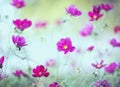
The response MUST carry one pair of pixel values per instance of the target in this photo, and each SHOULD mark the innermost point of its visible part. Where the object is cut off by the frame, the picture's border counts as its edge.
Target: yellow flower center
(94, 16)
(65, 47)
(99, 65)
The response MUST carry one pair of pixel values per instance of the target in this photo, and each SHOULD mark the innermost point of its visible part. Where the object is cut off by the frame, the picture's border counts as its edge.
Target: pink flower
(19, 73)
(116, 29)
(18, 3)
(114, 43)
(65, 45)
(73, 11)
(50, 62)
(99, 65)
(55, 84)
(40, 71)
(41, 24)
(90, 48)
(19, 41)
(106, 7)
(111, 68)
(1, 61)
(95, 14)
(59, 22)
(86, 30)
(22, 24)
(2, 76)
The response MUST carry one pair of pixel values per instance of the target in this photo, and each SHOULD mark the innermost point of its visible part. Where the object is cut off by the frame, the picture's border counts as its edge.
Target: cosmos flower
(73, 11)
(90, 48)
(99, 65)
(65, 45)
(95, 14)
(19, 73)
(114, 43)
(50, 62)
(2, 76)
(118, 65)
(41, 24)
(22, 24)
(106, 7)
(102, 83)
(111, 67)
(1, 61)
(96, 8)
(117, 29)
(19, 41)
(86, 30)
(40, 71)
(55, 84)
(18, 3)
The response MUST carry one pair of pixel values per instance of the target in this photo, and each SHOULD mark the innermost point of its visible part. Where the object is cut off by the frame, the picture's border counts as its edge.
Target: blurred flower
(41, 24)
(118, 65)
(50, 62)
(55, 84)
(90, 48)
(19, 73)
(22, 24)
(111, 68)
(106, 7)
(117, 29)
(114, 43)
(59, 22)
(102, 83)
(73, 11)
(40, 71)
(95, 14)
(65, 45)
(86, 30)
(2, 76)
(1, 61)
(99, 65)
(96, 8)
(18, 3)
(19, 41)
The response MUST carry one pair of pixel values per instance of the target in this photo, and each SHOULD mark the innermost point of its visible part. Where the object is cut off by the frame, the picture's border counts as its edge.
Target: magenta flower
(1, 61)
(65, 45)
(117, 29)
(87, 30)
(50, 62)
(55, 84)
(96, 8)
(95, 14)
(19, 73)
(73, 11)
(114, 43)
(102, 83)
(106, 7)
(22, 24)
(90, 48)
(41, 24)
(18, 3)
(99, 65)
(40, 71)
(19, 41)
(111, 68)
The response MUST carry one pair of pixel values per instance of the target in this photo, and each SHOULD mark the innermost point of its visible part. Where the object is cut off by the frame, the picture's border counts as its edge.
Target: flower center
(98, 65)
(40, 73)
(94, 16)
(65, 47)
(18, 5)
